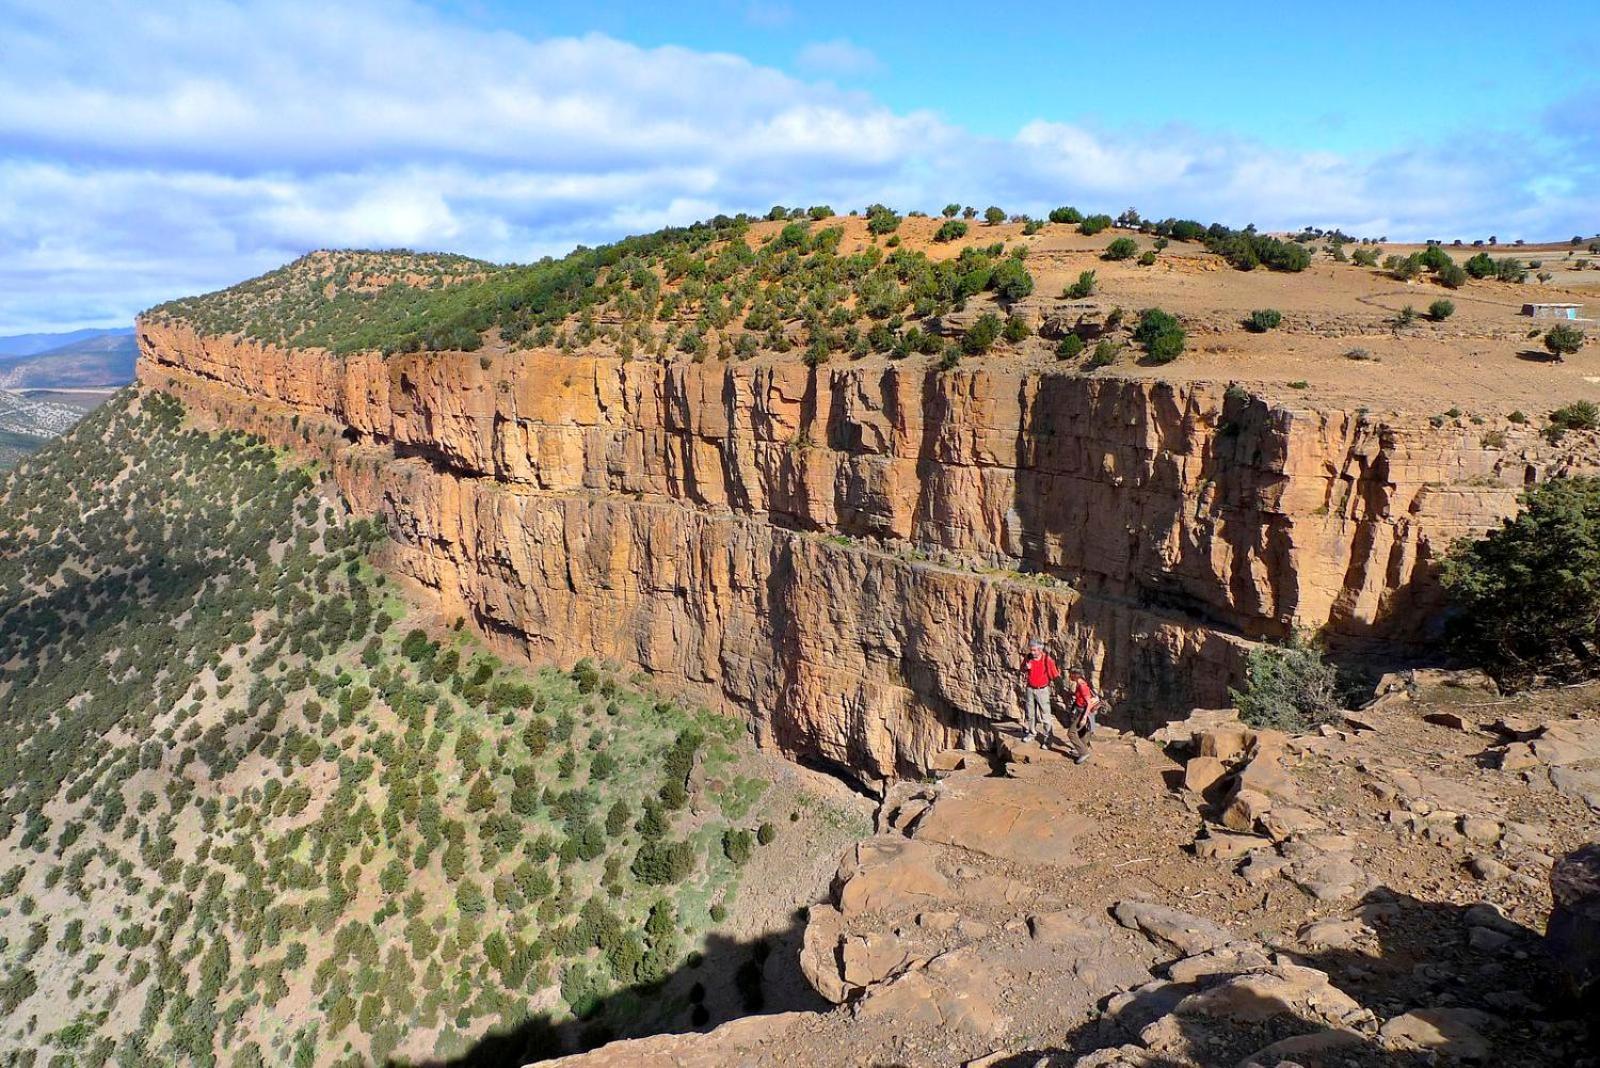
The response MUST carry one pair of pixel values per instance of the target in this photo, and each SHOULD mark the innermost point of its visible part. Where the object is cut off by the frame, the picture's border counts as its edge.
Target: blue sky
(153, 149)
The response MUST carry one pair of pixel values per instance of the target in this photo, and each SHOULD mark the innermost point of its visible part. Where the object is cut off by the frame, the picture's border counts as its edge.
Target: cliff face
(853, 556)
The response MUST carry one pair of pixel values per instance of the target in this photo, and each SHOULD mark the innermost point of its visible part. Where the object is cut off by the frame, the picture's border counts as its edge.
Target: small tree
(1122, 248)
(951, 230)
(993, 215)
(1440, 310)
(1083, 287)
(1528, 594)
(1287, 687)
(1065, 215)
(1263, 319)
(981, 335)
(951, 211)
(1161, 335)
(1070, 347)
(1563, 340)
(1094, 224)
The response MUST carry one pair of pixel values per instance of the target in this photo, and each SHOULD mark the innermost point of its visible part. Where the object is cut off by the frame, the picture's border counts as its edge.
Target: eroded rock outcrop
(850, 557)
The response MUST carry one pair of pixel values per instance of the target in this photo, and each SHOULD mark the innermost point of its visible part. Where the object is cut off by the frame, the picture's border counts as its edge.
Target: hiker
(1039, 673)
(1082, 704)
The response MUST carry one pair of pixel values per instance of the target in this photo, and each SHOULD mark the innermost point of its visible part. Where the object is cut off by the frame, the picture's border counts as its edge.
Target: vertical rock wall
(852, 556)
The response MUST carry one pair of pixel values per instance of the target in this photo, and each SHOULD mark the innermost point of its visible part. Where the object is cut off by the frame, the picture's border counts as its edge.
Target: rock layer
(852, 557)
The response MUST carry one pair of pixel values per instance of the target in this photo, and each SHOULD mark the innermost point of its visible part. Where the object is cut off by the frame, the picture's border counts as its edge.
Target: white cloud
(838, 58)
(207, 141)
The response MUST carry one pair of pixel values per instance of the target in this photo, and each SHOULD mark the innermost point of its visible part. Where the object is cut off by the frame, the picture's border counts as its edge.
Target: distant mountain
(104, 358)
(29, 344)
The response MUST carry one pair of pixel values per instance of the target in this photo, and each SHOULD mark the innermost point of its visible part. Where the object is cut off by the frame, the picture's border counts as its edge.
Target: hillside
(260, 808)
(29, 344)
(877, 287)
(96, 362)
(26, 423)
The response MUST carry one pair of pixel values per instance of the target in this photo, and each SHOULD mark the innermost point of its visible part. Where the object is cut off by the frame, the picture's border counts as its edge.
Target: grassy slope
(250, 814)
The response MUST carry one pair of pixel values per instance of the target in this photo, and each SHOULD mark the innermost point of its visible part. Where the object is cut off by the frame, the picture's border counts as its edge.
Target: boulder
(1231, 959)
(1573, 935)
(1244, 809)
(1180, 931)
(1453, 1032)
(819, 953)
(1201, 773)
(891, 875)
(1013, 819)
(1220, 845)
(1312, 1049)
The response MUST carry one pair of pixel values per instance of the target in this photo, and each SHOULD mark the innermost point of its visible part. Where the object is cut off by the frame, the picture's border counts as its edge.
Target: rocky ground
(1376, 893)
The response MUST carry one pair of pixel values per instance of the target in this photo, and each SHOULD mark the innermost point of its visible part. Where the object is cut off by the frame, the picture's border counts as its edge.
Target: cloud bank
(146, 154)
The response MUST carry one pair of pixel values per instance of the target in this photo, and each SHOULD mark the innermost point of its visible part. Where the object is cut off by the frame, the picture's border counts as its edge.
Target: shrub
(1161, 335)
(1263, 319)
(1147, 258)
(1287, 687)
(1094, 224)
(1528, 594)
(993, 215)
(1016, 329)
(1406, 316)
(1065, 215)
(1440, 310)
(881, 220)
(1121, 248)
(1011, 280)
(737, 845)
(951, 211)
(766, 834)
(1105, 353)
(1365, 257)
(1070, 347)
(981, 335)
(1563, 340)
(1452, 277)
(1083, 287)
(1579, 415)
(951, 230)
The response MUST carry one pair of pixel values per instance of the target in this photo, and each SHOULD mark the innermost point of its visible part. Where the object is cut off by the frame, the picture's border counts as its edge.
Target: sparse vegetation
(1288, 687)
(1083, 287)
(1440, 310)
(220, 717)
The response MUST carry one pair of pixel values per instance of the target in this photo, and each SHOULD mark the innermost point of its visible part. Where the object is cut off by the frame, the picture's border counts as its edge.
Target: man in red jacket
(1039, 674)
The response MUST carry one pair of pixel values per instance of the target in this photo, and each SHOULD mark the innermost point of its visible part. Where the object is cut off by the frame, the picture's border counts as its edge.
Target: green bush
(1263, 319)
(1147, 258)
(1121, 248)
(1440, 310)
(1083, 287)
(1016, 329)
(1288, 687)
(737, 845)
(981, 335)
(1010, 280)
(1105, 354)
(1579, 415)
(951, 230)
(993, 216)
(1065, 215)
(1563, 340)
(766, 834)
(1161, 335)
(1527, 596)
(1070, 347)
(1094, 224)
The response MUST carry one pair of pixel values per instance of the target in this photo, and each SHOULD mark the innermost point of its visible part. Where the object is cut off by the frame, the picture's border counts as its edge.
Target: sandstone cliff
(852, 555)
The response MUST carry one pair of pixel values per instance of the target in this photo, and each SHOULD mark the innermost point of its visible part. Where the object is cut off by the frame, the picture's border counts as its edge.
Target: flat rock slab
(1012, 819)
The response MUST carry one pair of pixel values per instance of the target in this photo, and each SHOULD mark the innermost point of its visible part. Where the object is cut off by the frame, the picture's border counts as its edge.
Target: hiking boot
(1027, 737)
(1081, 758)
